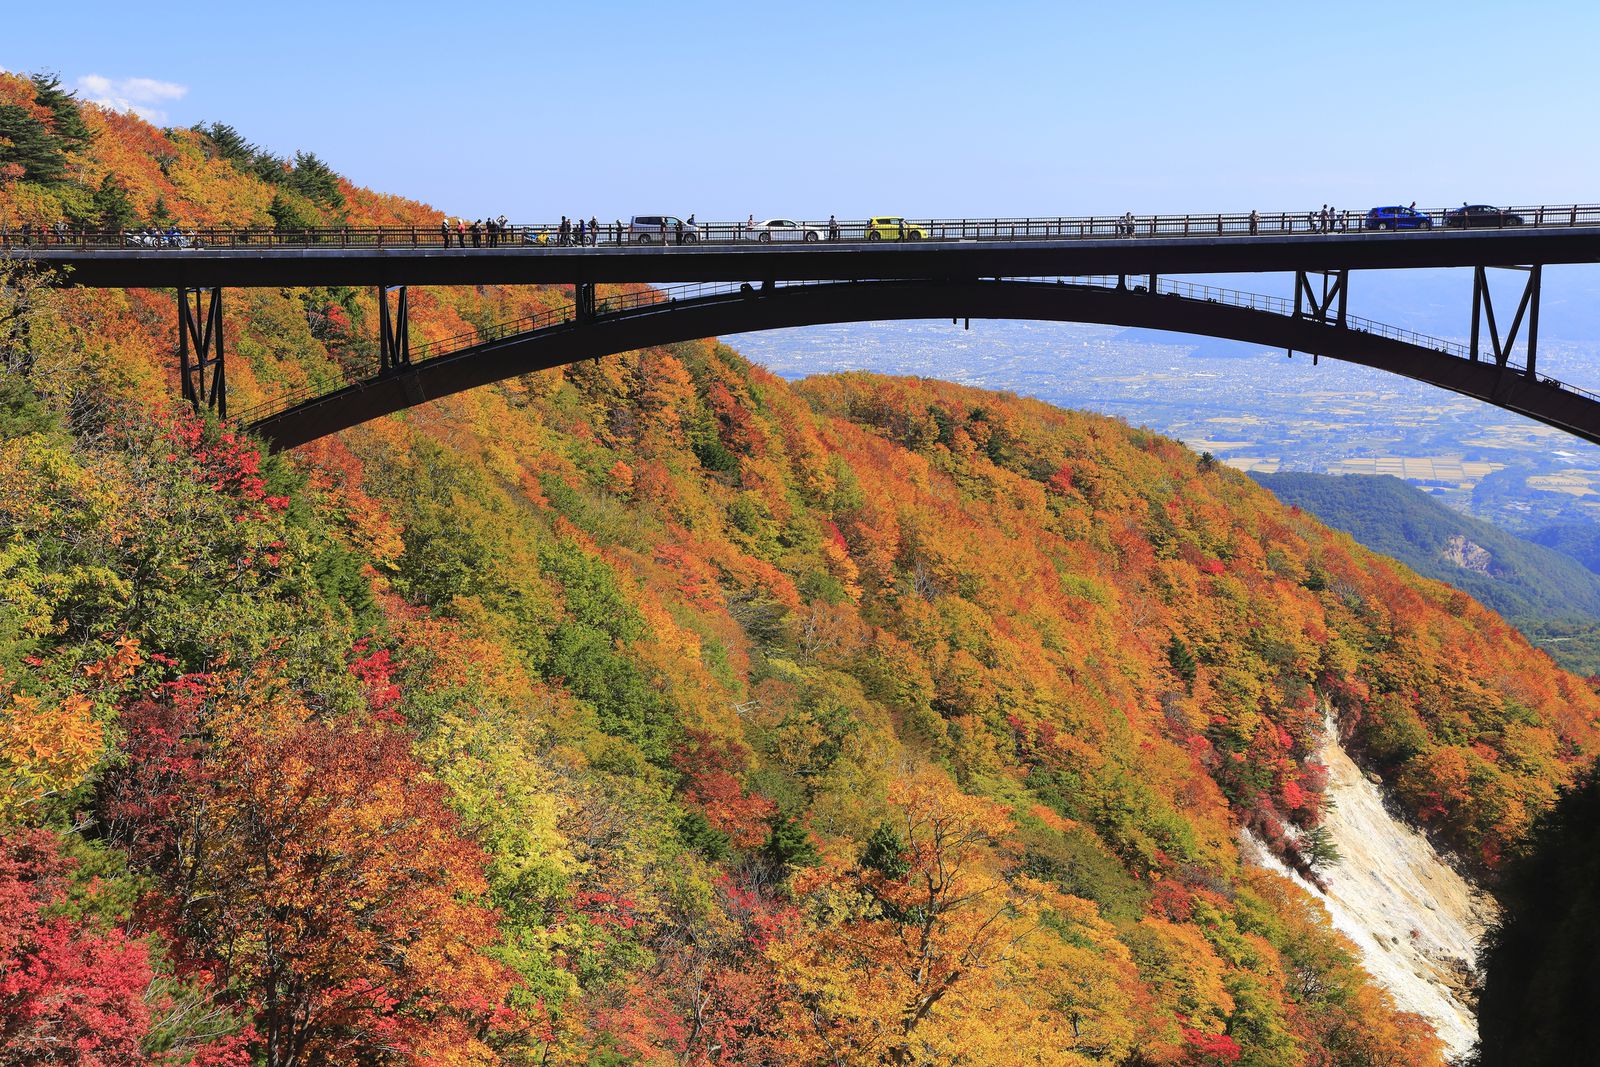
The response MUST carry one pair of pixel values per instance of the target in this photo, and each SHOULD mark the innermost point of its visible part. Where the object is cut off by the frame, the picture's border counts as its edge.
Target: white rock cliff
(1416, 920)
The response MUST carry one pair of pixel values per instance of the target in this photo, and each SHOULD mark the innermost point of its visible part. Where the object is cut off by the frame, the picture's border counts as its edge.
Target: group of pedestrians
(1328, 220)
(578, 232)
(483, 232)
(27, 233)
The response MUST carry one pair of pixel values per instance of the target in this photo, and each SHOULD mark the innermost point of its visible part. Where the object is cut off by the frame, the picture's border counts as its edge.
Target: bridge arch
(753, 309)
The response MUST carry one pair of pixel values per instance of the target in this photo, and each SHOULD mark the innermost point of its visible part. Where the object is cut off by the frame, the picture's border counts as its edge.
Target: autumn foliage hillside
(656, 711)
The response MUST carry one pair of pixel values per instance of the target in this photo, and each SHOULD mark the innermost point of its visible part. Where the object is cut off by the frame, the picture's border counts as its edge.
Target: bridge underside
(811, 305)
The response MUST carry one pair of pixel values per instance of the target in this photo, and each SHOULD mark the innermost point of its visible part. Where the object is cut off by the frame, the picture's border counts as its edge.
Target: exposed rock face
(1416, 920)
(1468, 555)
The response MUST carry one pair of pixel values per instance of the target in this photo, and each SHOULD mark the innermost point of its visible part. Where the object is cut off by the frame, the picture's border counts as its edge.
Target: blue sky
(930, 108)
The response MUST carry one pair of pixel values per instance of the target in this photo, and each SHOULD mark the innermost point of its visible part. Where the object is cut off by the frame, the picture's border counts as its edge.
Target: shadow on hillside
(1542, 981)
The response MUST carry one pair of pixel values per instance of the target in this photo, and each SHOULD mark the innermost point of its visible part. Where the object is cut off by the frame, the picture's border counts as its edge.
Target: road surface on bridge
(954, 249)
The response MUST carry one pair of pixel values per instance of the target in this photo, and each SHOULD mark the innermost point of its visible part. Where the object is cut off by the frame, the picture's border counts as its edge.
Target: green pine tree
(112, 209)
(315, 180)
(788, 844)
(1181, 658)
(286, 215)
(24, 140)
(66, 121)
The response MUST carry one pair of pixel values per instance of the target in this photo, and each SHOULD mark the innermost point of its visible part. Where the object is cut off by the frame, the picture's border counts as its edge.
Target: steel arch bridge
(1116, 271)
(575, 333)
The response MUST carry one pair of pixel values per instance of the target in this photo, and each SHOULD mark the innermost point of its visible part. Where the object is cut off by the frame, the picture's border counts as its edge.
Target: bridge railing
(63, 236)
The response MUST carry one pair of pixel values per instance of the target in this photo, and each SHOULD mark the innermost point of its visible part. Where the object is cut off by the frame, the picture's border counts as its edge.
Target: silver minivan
(654, 229)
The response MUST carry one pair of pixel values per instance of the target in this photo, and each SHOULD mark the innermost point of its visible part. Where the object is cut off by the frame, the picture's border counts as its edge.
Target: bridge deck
(512, 264)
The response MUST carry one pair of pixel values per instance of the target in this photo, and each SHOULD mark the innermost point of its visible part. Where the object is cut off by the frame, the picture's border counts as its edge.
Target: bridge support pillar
(1309, 305)
(1527, 307)
(200, 361)
(583, 300)
(394, 331)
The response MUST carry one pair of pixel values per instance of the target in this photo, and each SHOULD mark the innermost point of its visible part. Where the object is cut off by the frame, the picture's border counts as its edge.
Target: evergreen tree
(789, 844)
(885, 853)
(160, 214)
(25, 141)
(1181, 658)
(315, 180)
(268, 167)
(112, 209)
(1318, 847)
(287, 216)
(229, 144)
(67, 122)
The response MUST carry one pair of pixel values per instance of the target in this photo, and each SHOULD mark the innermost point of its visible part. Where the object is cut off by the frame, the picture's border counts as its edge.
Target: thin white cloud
(138, 96)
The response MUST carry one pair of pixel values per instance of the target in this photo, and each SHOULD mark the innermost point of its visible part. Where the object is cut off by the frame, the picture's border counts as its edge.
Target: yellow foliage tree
(45, 748)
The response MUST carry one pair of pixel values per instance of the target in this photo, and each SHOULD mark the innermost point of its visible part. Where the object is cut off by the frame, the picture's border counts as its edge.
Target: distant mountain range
(1540, 586)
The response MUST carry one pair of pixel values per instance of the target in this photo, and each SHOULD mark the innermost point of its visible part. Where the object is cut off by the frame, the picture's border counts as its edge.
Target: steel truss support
(1483, 308)
(200, 363)
(394, 332)
(1308, 305)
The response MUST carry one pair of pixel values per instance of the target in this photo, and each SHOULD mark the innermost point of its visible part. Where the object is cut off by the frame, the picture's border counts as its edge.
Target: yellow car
(893, 228)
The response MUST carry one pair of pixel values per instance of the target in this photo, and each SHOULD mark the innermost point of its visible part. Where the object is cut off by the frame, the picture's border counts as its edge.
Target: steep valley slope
(1547, 593)
(656, 711)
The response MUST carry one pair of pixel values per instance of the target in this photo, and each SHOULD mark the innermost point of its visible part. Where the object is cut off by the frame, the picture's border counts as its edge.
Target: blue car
(1397, 218)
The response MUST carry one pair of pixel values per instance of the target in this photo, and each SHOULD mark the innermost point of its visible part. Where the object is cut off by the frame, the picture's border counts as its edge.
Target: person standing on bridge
(1255, 222)
(594, 231)
(679, 230)
(461, 232)
(444, 230)
(833, 228)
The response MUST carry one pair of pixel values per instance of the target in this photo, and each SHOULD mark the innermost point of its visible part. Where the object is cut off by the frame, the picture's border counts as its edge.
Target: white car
(783, 230)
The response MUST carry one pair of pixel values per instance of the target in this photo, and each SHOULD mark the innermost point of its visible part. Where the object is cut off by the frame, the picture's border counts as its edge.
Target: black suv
(1471, 216)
